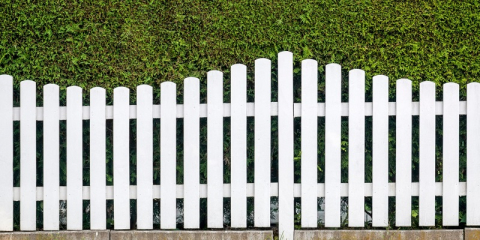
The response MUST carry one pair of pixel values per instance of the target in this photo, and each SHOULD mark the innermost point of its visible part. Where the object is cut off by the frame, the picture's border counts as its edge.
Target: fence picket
(144, 157)
(356, 148)
(6, 153)
(450, 154)
(28, 160)
(309, 143)
(427, 154)
(51, 157)
(239, 146)
(333, 110)
(74, 158)
(473, 153)
(262, 142)
(380, 152)
(285, 145)
(98, 211)
(215, 149)
(191, 149)
(121, 158)
(168, 159)
(403, 153)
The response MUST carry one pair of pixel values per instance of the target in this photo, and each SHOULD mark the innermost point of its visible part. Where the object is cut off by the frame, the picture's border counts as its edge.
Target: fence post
(427, 154)
(380, 151)
(285, 145)
(263, 128)
(98, 215)
(309, 143)
(51, 159)
(28, 152)
(239, 146)
(168, 155)
(6, 153)
(333, 110)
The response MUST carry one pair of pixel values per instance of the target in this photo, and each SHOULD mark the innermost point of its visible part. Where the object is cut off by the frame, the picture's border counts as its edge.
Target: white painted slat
(451, 149)
(168, 155)
(427, 154)
(28, 160)
(356, 148)
(98, 212)
(121, 158)
(51, 157)
(262, 141)
(473, 153)
(309, 143)
(214, 149)
(239, 146)
(332, 170)
(380, 151)
(403, 153)
(144, 157)
(191, 151)
(74, 158)
(285, 145)
(6, 153)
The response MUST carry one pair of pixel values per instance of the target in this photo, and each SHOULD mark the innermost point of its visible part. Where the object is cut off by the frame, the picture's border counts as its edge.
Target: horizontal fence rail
(262, 109)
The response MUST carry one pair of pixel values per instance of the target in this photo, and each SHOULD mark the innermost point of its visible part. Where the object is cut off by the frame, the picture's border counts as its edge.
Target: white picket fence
(238, 110)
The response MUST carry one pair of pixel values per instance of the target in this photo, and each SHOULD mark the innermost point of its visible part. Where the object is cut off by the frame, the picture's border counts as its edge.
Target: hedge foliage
(125, 43)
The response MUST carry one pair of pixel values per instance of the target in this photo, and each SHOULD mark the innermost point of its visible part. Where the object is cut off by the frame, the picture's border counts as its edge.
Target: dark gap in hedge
(109, 152)
(415, 148)
(297, 157)
(63, 152)
(133, 151)
(368, 149)
(179, 151)
(39, 153)
(227, 159)
(156, 151)
(86, 152)
(344, 150)
(274, 149)
(391, 148)
(321, 149)
(251, 151)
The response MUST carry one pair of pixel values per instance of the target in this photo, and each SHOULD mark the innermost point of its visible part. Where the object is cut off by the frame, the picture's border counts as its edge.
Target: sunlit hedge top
(126, 43)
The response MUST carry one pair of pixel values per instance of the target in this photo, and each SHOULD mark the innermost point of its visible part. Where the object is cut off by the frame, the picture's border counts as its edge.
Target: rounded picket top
(262, 61)
(191, 80)
(121, 90)
(333, 67)
(50, 89)
(51, 86)
(451, 85)
(6, 77)
(168, 84)
(74, 89)
(214, 74)
(238, 67)
(404, 82)
(427, 84)
(473, 89)
(144, 87)
(28, 83)
(357, 71)
(309, 61)
(380, 78)
(285, 54)
(97, 90)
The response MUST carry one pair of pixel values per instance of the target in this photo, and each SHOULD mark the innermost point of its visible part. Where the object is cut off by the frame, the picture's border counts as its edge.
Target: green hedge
(125, 43)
